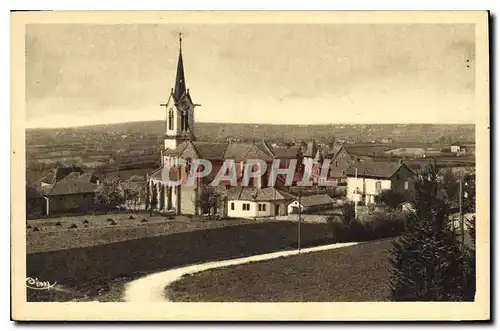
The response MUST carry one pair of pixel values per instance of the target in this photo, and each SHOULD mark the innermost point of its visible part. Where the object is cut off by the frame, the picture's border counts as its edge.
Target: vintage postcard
(250, 166)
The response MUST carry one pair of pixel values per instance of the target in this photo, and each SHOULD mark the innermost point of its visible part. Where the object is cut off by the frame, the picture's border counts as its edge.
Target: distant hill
(444, 133)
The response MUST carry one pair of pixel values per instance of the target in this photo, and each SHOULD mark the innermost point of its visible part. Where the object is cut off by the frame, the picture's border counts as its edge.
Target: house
(312, 203)
(455, 148)
(366, 180)
(67, 189)
(247, 202)
(344, 159)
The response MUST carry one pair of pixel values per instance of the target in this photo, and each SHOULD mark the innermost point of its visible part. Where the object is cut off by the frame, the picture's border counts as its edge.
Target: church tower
(179, 122)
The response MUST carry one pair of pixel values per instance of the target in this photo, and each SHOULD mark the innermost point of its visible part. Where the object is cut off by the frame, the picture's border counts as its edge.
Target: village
(306, 193)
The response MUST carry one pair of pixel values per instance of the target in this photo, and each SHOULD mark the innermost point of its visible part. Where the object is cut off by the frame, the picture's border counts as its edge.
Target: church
(180, 142)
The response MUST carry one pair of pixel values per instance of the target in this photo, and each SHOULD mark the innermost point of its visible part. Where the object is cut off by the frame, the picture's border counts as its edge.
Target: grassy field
(99, 271)
(357, 273)
(55, 233)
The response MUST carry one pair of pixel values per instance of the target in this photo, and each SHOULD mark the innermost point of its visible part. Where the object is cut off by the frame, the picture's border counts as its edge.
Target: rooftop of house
(66, 180)
(257, 194)
(374, 169)
(66, 187)
(316, 200)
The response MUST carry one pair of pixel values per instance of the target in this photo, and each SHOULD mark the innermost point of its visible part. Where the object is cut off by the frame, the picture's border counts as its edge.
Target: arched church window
(182, 121)
(186, 121)
(170, 119)
(189, 164)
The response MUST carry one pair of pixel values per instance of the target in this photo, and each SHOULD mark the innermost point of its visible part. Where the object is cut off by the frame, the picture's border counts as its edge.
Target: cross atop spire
(180, 42)
(180, 82)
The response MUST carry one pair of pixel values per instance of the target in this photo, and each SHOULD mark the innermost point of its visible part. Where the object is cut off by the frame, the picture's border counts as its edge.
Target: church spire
(180, 82)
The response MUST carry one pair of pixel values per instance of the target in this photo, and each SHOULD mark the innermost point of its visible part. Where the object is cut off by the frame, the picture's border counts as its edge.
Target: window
(170, 119)
(246, 206)
(406, 185)
(378, 186)
(232, 205)
(186, 121)
(263, 207)
(189, 163)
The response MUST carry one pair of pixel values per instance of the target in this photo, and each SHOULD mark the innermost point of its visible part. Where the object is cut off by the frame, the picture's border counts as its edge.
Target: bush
(377, 226)
(58, 224)
(171, 217)
(384, 225)
(144, 220)
(348, 213)
(110, 220)
(392, 199)
(28, 227)
(131, 217)
(73, 226)
(36, 228)
(85, 221)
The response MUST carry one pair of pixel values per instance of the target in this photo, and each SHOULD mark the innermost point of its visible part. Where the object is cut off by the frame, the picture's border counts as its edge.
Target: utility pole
(357, 195)
(300, 217)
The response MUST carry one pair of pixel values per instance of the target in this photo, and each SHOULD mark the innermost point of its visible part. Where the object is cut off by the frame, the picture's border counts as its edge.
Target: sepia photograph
(264, 165)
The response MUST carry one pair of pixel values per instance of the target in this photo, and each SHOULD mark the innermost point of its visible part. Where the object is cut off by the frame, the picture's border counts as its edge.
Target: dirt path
(152, 288)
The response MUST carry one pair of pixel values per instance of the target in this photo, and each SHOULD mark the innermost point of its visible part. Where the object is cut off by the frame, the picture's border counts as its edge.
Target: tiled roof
(376, 169)
(224, 151)
(316, 200)
(66, 180)
(327, 152)
(158, 174)
(66, 187)
(286, 153)
(178, 150)
(257, 194)
(210, 150)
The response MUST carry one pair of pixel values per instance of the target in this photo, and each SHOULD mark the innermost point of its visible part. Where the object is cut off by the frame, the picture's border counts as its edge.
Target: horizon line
(240, 123)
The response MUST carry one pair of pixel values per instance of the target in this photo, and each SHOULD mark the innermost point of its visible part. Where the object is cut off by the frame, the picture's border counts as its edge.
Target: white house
(252, 202)
(367, 179)
(455, 148)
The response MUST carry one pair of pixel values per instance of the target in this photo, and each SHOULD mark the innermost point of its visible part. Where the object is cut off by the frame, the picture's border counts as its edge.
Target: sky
(79, 74)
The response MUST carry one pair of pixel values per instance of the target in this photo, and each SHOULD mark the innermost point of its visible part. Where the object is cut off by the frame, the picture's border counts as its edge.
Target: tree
(110, 192)
(133, 194)
(154, 199)
(469, 193)
(147, 196)
(392, 199)
(451, 185)
(470, 262)
(210, 199)
(426, 261)
(33, 206)
(348, 213)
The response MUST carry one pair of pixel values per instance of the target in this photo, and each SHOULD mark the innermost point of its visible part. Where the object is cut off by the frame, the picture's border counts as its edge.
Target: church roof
(180, 81)
(224, 151)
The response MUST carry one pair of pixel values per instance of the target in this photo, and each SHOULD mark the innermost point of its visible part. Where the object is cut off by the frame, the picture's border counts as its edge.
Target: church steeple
(180, 82)
(179, 124)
